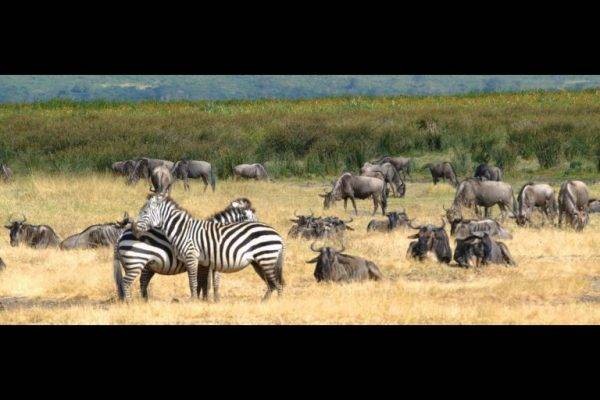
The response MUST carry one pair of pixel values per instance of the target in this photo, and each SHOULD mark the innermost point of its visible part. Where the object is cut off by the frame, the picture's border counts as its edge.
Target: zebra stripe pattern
(224, 248)
(152, 253)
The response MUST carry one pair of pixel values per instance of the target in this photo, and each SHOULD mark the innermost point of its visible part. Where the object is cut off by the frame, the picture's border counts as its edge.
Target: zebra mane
(171, 201)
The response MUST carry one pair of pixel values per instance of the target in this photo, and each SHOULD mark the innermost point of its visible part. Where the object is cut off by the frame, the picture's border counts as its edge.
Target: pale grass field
(557, 280)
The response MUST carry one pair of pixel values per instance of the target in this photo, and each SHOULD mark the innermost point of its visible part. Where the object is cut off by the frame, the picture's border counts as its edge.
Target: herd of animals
(166, 239)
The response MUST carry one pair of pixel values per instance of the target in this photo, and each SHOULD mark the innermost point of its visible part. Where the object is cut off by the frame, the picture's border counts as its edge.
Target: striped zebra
(224, 248)
(152, 252)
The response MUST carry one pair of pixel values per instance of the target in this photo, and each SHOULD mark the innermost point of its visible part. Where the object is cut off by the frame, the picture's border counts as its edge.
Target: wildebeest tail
(213, 178)
(118, 275)
(384, 193)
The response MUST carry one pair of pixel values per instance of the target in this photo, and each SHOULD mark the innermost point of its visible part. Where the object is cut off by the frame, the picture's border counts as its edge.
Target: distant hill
(30, 88)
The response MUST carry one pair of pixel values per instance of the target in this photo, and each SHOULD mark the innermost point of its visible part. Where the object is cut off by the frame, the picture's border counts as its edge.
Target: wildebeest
(390, 176)
(472, 193)
(463, 228)
(309, 226)
(144, 166)
(593, 206)
(161, 179)
(573, 199)
(402, 164)
(192, 169)
(353, 187)
(481, 249)
(124, 168)
(441, 171)
(486, 172)
(534, 195)
(37, 236)
(334, 266)
(394, 220)
(250, 171)
(97, 235)
(5, 172)
(432, 242)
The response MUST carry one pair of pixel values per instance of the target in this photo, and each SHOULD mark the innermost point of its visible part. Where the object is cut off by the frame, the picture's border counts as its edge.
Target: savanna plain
(557, 280)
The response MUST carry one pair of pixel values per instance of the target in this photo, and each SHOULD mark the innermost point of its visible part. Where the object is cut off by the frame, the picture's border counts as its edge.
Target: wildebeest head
(453, 215)
(16, 230)
(580, 218)
(328, 199)
(326, 260)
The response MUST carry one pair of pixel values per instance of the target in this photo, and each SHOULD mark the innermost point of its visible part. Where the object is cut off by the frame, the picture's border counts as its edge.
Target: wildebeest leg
(560, 218)
(145, 278)
(345, 204)
(375, 204)
(435, 180)
(354, 205)
(502, 212)
(205, 182)
(487, 211)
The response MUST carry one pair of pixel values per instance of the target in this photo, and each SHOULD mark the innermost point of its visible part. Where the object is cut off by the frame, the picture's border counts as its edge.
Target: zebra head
(150, 215)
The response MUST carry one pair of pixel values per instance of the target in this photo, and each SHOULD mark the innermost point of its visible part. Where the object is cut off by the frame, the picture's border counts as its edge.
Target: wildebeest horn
(313, 249)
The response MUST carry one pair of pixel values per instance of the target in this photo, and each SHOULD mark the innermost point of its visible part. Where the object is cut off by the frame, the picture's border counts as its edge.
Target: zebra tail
(213, 178)
(279, 268)
(118, 275)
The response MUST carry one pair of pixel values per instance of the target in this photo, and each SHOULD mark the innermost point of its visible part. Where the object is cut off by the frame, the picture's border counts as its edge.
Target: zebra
(152, 252)
(224, 248)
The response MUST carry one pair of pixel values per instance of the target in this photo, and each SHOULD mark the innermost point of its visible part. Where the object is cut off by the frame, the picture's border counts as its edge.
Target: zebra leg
(131, 273)
(191, 264)
(216, 277)
(261, 272)
(145, 278)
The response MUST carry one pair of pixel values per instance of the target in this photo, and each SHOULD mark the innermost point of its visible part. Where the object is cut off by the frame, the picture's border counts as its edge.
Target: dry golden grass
(557, 280)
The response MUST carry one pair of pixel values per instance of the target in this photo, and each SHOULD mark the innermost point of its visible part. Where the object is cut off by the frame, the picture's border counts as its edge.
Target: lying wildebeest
(144, 166)
(394, 220)
(573, 203)
(486, 172)
(37, 236)
(353, 187)
(192, 169)
(250, 171)
(390, 176)
(124, 168)
(309, 226)
(97, 235)
(463, 228)
(593, 206)
(534, 195)
(162, 180)
(472, 193)
(5, 172)
(441, 171)
(432, 241)
(402, 164)
(334, 266)
(481, 249)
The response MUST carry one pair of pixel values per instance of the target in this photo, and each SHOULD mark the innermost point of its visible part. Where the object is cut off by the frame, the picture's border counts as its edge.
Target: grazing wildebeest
(97, 235)
(472, 193)
(573, 199)
(250, 171)
(441, 171)
(534, 195)
(486, 172)
(402, 164)
(37, 236)
(334, 266)
(481, 249)
(124, 168)
(432, 242)
(144, 166)
(192, 169)
(162, 180)
(390, 176)
(6, 173)
(394, 220)
(463, 228)
(593, 206)
(353, 187)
